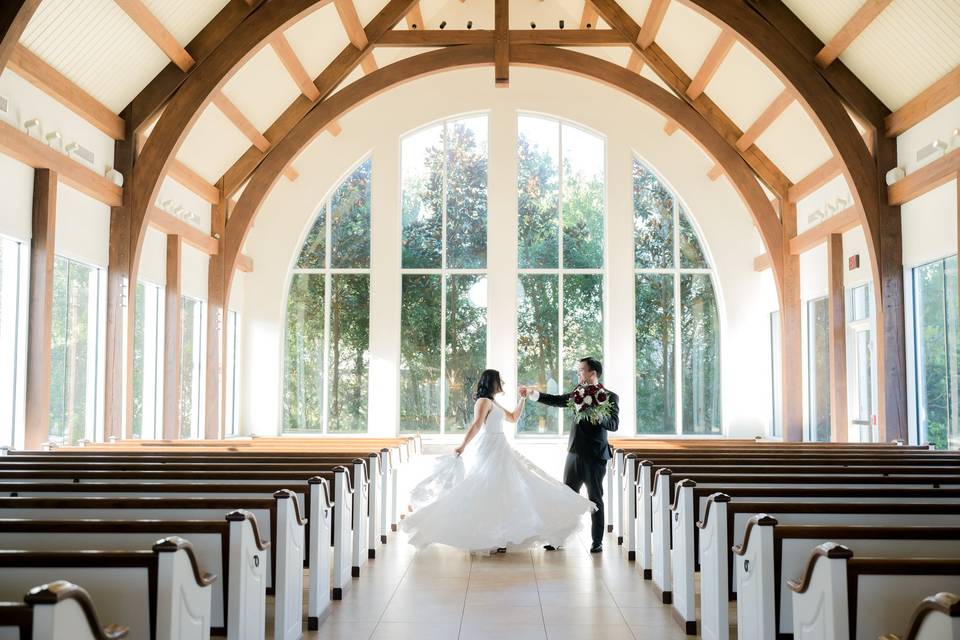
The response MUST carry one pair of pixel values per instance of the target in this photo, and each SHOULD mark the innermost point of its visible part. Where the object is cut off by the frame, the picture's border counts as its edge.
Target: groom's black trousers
(579, 471)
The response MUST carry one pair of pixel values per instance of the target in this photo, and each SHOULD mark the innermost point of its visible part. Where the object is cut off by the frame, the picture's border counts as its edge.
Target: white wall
(629, 127)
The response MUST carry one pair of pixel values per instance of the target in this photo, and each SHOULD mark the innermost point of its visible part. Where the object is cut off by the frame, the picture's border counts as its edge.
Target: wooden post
(41, 307)
(790, 330)
(172, 341)
(216, 327)
(839, 426)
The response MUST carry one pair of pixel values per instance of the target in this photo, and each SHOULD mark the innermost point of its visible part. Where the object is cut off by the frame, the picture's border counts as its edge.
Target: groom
(587, 450)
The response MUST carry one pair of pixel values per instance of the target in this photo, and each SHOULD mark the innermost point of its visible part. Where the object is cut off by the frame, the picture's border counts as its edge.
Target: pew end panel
(342, 534)
(247, 578)
(660, 537)
(714, 576)
(184, 592)
(645, 517)
(755, 580)
(361, 491)
(291, 534)
(936, 618)
(320, 516)
(59, 610)
(681, 558)
(816, 613)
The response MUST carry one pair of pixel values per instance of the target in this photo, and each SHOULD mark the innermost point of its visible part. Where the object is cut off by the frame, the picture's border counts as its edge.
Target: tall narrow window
(75, 348)
(937, 353)
(776, 375)
(12, 306)
(676, 317)
(561, 207)
(147, 361)
(192, 313)
(818, 370)
(443, 313)
(327, 338)
(230, 374)
(859, 326)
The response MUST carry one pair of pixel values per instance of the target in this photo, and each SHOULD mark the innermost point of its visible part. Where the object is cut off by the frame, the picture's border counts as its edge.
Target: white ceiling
(93, 43)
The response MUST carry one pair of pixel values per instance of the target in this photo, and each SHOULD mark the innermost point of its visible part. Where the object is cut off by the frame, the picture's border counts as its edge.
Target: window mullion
(677, 325)
(327, 294)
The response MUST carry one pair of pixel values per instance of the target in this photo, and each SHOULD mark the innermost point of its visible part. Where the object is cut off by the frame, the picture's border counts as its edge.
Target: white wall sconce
(115, 177)
(55, 140)
(933, 150)
(32, 127)
(955, 139)
(895, 174)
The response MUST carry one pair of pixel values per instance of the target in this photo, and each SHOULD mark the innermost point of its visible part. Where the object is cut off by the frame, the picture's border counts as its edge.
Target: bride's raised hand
(459, 450)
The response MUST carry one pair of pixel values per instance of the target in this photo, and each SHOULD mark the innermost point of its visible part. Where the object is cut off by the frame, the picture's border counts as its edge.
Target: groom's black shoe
(550, 547)
(596, 548)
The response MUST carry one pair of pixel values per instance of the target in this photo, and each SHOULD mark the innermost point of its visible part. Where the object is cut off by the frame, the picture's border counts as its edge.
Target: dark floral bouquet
(590, 402)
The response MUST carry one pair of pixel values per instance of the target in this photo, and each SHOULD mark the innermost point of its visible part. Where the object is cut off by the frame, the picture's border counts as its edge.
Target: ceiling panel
(824, 17)
(213, 145)
(184, 18)
(262, 89)
(637, 9)
(546, 15)
(743, 69)
(794, 144)
(318, 39)
(687, 37)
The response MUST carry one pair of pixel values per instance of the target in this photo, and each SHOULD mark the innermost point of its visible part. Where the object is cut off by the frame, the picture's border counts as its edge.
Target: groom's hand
(523, 392)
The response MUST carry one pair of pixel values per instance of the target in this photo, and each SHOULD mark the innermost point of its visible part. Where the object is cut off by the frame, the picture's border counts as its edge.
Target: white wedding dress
(502, 500)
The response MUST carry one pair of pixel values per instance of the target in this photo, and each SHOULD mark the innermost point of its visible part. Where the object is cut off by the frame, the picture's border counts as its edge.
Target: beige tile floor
(444, 594)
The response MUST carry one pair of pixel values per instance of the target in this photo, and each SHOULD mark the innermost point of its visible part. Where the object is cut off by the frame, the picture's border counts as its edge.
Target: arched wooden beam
(270, 170)
(14, 17)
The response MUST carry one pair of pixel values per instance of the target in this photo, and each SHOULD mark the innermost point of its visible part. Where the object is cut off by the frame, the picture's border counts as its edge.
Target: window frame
(20, 299)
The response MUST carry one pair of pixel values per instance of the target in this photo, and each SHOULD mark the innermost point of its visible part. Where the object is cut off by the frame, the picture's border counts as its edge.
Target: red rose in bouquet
(590, 402)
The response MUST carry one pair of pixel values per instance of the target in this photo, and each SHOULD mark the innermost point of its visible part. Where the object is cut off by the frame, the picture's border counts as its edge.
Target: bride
(503, 500)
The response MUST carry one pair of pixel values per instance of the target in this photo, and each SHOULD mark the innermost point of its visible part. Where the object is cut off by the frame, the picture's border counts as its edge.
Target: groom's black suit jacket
(587, 439)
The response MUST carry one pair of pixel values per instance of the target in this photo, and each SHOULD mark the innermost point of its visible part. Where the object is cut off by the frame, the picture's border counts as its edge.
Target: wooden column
(172, 340)
(42, 246)
(216, 327)
(790, 330)
(121, 295)
(839, 425)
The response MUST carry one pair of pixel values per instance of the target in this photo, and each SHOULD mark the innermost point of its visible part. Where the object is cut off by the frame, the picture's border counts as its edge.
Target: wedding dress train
(502, 500)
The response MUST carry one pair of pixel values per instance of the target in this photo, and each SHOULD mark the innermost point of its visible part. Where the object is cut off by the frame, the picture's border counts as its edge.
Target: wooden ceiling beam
(839, 222)
(588, 19)
(154, 29)
(193, 236)
(761, 263)
(670, 127)
(860, 20)
(815, 179)
(414, 19)
(351, 23)
(651, 22)
(368, 63)
(452, 37)
(715, 57)
(937, 95)
(192, 181)
(930, 176)
(769, 115)
(501, 43)
(14, 17)
(635, 63)
(715, 172)
(30, 151)
(281, 46)
(240, 121)
(244, 263)
(31, 68)
(671, 73)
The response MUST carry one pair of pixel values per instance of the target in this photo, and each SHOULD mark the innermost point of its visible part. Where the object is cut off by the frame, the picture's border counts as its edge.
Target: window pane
(230, 419)
(700, 355)
(652, 220)
(818, 357)
(191, 357)
(73, 351)
(420, 354)
(776, 373)
(538, 192)
(349, 355)
(303, 354)
(691, 253)
(466, 354)
(864, 376)
(313, 254)
(937, 333)
(953, 350)
(422, 197)
(538, 347)
(656, 364)
(147, 372)
(350, 221)
(10, 335)
(582, 327)
(583, 199)
(467, 193)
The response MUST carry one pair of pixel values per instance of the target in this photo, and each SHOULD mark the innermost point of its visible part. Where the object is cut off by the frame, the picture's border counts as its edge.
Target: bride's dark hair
(489, 385)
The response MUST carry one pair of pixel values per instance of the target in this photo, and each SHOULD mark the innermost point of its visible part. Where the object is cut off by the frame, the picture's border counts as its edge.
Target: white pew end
(291, 528)
(56, 611)
(937, 618)
(321, 515)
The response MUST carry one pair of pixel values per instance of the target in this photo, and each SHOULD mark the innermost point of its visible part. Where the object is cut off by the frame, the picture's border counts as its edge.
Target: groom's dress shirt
(586, 439)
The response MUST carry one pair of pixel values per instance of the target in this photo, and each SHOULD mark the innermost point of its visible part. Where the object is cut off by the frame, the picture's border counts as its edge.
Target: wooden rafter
(679, 82)
(351, 23)
(155, 30)
(192, 181)
(670, 127)
(368, 63)
(840, 222)
(244, 263)
(940, 93)
(814, 180)
(588, 20)
(850, 30)
(281, 46)
(415, 18)
(30, 151)
(14, 17)
(771, 113)
(240, 121)
(501, 43)
(715, 57)
(651, 22)
(930, 176)
(635, 63)
(715, 172)
(172, 225)
(44, 77)
(452, 37)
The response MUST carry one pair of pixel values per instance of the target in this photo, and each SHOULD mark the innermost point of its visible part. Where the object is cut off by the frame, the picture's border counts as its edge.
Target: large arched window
(561, 206)
(677, 320)
(443, 316)
(328, 316)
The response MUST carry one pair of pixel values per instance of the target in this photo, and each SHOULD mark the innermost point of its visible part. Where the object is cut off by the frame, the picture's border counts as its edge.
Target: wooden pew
(59, 610)
(279, 515)
(230, 548)
(846, 598)
(770, 551)
(160, 594)
(936, 618)
(724, 522)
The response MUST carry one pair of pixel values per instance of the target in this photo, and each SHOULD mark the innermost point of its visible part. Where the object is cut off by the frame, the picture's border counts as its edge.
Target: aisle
(442, 594)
